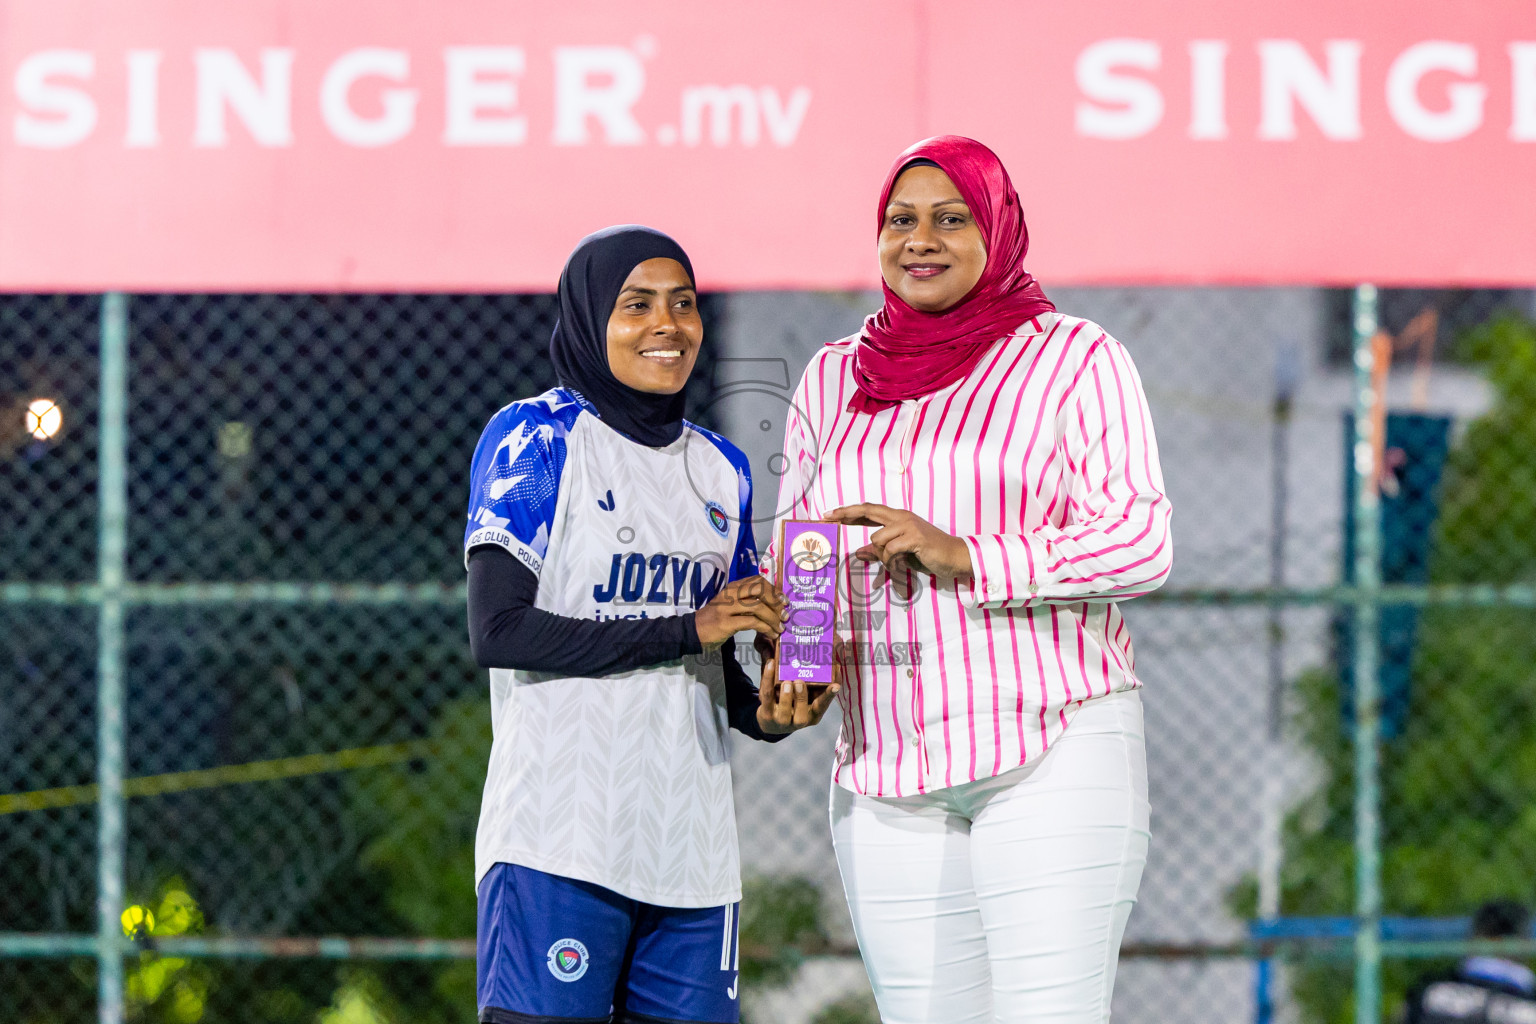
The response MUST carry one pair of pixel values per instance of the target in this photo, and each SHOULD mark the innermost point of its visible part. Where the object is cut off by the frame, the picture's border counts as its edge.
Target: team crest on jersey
(717, 517)
(567, 959)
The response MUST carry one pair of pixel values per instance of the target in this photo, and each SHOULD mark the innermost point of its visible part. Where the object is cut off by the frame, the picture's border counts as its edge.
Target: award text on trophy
(809, 582)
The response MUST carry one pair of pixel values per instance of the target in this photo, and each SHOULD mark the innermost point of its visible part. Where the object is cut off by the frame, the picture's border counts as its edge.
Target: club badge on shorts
(567, 959)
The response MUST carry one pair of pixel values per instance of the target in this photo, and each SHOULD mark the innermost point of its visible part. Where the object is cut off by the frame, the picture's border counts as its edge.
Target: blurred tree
(361, 999)
(781, 924)
(852, 1010)
(165, 989)
(422, 816)
(1458, 814)
(33, 991)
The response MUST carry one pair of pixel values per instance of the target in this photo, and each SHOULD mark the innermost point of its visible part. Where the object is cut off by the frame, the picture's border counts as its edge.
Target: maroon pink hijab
(905, 353)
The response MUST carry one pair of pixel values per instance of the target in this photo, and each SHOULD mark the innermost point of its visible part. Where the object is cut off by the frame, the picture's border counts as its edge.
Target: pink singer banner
(466, 145)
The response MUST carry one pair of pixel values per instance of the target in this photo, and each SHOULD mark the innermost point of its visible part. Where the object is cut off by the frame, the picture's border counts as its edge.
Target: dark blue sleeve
(507, 631)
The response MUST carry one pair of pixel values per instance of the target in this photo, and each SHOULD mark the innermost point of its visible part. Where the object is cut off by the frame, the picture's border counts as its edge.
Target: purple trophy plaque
(809, 582)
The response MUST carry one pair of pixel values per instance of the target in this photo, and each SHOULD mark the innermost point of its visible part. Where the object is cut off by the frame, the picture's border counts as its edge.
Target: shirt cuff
(1006, 569)
(691, 642)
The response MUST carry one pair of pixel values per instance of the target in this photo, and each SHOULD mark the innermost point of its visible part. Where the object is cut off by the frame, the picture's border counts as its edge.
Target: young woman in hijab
(609, 547)
(995, 464)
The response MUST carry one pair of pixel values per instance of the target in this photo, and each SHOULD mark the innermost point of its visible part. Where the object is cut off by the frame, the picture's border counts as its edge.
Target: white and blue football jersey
(623, 781)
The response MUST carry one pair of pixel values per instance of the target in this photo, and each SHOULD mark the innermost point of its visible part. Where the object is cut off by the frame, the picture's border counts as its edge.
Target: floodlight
(44, 419)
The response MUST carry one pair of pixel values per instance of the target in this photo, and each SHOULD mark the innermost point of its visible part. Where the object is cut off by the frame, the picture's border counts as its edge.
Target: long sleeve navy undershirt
(507, 631)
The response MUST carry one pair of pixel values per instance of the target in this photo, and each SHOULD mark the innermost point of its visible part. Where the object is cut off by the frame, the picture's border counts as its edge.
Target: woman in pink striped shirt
(994, 463)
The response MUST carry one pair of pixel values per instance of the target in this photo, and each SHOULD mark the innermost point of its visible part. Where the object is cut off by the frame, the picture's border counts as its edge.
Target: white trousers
(1003, 899)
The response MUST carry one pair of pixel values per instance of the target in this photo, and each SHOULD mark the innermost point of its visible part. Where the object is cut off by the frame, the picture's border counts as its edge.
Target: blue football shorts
(554, 950)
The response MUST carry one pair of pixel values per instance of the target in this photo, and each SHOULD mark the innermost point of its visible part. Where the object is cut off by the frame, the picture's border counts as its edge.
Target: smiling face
(931, 249)
(654, 331)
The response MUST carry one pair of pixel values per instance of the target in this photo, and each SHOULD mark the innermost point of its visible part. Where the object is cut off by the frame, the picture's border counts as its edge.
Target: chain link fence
(305, 734)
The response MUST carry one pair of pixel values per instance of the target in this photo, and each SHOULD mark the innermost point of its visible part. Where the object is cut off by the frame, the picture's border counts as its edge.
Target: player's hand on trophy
(788, 706)
(904, 540)
(751, 603)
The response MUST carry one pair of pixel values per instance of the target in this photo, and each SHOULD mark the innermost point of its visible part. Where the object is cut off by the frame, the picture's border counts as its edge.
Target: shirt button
(1034, 589)
(909, 673)
(915, 741)
(991, 588)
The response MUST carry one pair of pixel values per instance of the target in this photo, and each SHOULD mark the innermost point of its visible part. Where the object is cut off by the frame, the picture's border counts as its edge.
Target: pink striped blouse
(1043, 460)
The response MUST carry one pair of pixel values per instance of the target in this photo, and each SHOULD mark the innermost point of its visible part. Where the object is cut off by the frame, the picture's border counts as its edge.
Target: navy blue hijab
(589, 286)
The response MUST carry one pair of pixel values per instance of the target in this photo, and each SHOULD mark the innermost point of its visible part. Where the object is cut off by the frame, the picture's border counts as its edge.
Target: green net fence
(304, 733)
